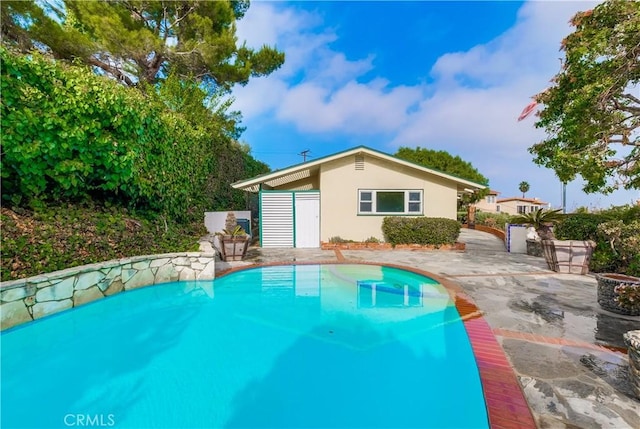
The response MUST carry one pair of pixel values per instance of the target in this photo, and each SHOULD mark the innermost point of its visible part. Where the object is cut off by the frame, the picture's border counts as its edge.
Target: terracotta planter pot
(234, 248)
(568, 256)
(607, 295)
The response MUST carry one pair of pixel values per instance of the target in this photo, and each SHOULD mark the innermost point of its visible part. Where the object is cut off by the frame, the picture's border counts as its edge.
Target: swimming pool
(283, 346)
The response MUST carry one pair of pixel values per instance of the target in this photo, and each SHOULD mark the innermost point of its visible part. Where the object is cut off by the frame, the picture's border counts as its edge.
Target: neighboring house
(347, 195)
(517, 205)
(489, 204)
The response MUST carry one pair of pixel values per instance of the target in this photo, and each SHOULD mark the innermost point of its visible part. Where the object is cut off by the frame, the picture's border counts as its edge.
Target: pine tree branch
(117, 73)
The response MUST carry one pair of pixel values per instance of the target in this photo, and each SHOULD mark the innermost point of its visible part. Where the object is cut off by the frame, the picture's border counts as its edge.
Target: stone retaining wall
(35, 297)
(632, 340)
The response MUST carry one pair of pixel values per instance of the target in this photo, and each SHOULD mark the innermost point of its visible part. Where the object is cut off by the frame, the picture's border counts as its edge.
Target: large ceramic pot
(609, 297)
(568, 256)
(234, 248)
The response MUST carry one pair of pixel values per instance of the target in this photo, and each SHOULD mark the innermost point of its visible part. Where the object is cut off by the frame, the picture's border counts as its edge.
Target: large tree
(524, 187)
(140, 40)
(592, 110)
(443, 161)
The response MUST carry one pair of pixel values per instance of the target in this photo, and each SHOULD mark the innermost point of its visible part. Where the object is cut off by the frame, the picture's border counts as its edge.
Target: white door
(307, 219)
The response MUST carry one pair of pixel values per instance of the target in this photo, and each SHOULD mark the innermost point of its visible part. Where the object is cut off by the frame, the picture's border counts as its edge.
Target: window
(522, 209)
(497, 208)
(491, 199)
(389, 202)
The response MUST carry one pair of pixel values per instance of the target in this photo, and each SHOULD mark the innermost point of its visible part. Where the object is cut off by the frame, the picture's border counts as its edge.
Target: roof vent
(359, 162)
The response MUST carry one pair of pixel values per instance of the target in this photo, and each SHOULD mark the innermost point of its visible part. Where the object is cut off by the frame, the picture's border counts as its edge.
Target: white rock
(187, 274)
(13, 313)
(159, 262)
(87, 280)
(142, 278)
(62, 290)
(42, 309)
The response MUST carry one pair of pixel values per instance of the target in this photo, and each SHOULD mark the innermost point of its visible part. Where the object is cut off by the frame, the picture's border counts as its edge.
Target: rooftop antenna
(304, 154)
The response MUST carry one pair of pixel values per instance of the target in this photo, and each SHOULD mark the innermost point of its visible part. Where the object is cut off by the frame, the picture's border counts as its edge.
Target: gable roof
(524, 200)
(310, 168)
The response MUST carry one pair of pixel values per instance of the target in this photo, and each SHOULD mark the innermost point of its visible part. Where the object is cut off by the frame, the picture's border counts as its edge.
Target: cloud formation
(467, 102)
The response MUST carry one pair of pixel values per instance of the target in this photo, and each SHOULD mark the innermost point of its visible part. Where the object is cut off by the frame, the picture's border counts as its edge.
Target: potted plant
(565, 256)
(234, 240)
(620, 292)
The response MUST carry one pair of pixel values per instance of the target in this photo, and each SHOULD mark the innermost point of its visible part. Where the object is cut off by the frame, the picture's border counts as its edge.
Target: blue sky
(447, 75)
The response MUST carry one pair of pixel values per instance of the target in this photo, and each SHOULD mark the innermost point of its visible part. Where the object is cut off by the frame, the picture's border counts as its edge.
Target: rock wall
(32, 298)
(632, 340)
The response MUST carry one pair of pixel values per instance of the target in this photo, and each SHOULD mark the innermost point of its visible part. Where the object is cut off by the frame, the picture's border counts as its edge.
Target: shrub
(624, 240)
(493, 220)
(579, 226)
(420, 230)
(53, 238)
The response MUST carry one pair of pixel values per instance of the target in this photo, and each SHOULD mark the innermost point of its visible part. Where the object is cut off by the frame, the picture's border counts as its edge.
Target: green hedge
(584, 226)
(420, 230)
(579, 226)
(70, 135)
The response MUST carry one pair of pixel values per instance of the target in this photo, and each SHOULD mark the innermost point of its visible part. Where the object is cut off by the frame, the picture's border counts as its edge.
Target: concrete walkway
(568, 353)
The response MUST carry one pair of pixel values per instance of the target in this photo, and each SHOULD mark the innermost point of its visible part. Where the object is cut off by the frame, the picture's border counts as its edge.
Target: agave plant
(542, 220)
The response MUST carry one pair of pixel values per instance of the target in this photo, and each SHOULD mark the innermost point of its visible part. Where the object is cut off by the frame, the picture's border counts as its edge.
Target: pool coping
(507, 407)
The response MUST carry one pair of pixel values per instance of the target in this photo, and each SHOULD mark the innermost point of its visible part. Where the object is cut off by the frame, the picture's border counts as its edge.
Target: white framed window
(390, 201)
(491, 199)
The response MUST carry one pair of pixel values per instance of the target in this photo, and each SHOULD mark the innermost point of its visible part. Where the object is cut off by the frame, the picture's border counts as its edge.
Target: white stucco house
(348, 194)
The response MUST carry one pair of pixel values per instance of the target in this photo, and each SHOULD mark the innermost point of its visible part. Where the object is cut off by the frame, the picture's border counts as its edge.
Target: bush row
(420, 230)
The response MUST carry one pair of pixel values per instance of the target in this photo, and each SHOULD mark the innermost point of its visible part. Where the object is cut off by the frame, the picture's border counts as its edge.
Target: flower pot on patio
(568, 256)
(234, 248)
(619, 293)
(534, 248)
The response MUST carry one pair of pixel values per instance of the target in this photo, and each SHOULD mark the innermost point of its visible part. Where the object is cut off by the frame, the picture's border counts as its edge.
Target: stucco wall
(339, 184)
(36, 297)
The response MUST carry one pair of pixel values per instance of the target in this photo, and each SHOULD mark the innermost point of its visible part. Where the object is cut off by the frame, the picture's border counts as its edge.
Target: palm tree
(524, 188)
(542, 220)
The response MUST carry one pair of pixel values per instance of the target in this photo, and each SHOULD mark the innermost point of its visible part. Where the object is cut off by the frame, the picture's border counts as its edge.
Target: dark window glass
(389, 202)
(414, 207)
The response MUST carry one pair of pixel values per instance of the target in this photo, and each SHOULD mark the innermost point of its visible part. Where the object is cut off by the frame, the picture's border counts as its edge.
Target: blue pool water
(312, 346)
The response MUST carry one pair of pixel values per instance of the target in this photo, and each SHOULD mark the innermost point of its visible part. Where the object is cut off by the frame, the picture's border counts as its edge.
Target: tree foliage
(141, 41)
(68, 134)
(445, 162)
(523, 187)
(592, 111)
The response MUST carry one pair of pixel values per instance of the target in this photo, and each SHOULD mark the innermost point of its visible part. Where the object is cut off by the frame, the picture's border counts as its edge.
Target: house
(488, 204)
(347, 195)
(517, 205)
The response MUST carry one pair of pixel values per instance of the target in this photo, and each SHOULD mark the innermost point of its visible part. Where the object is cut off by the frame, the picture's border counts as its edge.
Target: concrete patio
(567, 353)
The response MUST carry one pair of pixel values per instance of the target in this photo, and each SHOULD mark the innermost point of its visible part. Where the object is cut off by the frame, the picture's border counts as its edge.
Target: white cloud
(354, 108)
(469, 108)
